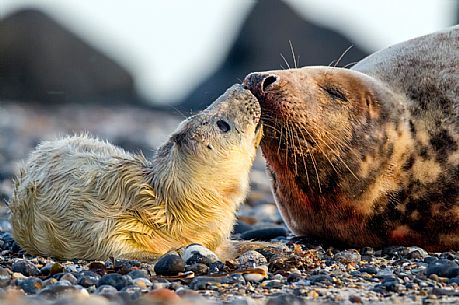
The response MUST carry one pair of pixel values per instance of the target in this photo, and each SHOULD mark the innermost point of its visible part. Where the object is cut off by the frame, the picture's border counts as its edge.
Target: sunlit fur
(79, 197)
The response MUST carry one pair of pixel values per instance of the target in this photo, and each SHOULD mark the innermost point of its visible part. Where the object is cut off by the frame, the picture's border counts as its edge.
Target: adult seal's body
(368, 156)
(79, 197)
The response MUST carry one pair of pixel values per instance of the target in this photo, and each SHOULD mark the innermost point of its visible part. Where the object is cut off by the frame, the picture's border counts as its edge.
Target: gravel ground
(287, 270)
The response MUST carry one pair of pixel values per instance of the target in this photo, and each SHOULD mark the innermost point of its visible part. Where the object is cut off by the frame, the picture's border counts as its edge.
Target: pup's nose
(258, 83)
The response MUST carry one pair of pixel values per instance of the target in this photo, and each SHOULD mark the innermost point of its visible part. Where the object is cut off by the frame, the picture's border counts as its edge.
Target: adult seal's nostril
(268, 81)
(258, 83)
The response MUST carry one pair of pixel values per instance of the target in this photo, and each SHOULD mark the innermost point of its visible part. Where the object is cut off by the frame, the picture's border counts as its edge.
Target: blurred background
(129, 71)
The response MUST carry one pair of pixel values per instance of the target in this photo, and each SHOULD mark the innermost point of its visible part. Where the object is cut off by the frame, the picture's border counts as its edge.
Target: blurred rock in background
(42, 61)
(263, 38)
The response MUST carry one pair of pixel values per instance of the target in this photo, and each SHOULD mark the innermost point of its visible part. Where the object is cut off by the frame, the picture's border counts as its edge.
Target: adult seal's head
(368, 156)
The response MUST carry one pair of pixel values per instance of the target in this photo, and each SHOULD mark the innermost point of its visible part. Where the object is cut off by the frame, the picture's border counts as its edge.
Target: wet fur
(368, 156)
(79, 197)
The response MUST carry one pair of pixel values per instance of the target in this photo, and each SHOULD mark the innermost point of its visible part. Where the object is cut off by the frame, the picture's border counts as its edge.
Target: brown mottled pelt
(368, 156)
(80, 197)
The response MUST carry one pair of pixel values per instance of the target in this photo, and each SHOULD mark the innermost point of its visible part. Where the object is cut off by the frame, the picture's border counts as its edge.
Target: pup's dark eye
(224, 126)
(335, 93)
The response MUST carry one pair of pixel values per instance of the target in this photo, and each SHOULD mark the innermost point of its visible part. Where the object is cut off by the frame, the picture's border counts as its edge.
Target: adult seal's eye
(335, 93)
(224, 126)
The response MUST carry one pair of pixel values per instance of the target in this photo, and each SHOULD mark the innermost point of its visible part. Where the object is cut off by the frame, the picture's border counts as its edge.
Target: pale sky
(170, 46)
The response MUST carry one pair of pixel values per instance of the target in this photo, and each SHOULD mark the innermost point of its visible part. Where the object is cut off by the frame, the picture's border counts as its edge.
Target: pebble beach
(285, 269)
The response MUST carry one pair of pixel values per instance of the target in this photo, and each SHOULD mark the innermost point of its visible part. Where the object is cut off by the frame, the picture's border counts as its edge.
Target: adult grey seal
(368, 156)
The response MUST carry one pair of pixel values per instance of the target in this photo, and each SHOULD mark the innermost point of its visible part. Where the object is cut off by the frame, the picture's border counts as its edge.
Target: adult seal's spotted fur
(368, 156)
(79, 197)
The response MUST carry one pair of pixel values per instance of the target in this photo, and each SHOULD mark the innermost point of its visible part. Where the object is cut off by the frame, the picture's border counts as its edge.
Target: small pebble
(88, 278)
(30, 285)
(57, 292)
(204, 282)
(355, 299)
(198, 269)
(216, 267)
(142, 283)
(251, 259)
(5, 277)
(199, 254)
(162, 295)
(271, 284)
(347, 256)
(69, 277)
(25, 267)
(106, 290)
(138, 274)
(442, 267)
(169, 265)
(116, 280)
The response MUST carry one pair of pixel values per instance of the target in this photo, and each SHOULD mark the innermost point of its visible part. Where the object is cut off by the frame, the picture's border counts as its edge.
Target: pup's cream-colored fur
(79, 197)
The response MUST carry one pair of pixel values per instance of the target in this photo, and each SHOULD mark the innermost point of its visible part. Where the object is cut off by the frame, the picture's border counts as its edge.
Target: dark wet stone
(449, 255)
(51, 269)
(319, 278)
(454, 280)
(395, 251)
(233, 279)
(160, 283)
(416, 253)
(88, 278)
(134, 274)
(106, 290)
(198, 269)
(25, 267)
(286, 299)
(355, 273)
(216, 267)
(126, 266)
(196, 253)
(391, 283)
(347, 256)
(453, 272)
(57, 291)
(204, 282)
(369, 270)
(30, 285)
(130, 293)
(69, 277)
(430, 259)
(169, 265)
(9, 243)
(252, 259)
(265, 234)
(445, 291)
(97, 267)
(5, 277)
(294, 277)
(355, 299)
(110, 293)
(198, 258)
(272, 284)
(241, 227)
(442, 267)
(116, 280)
